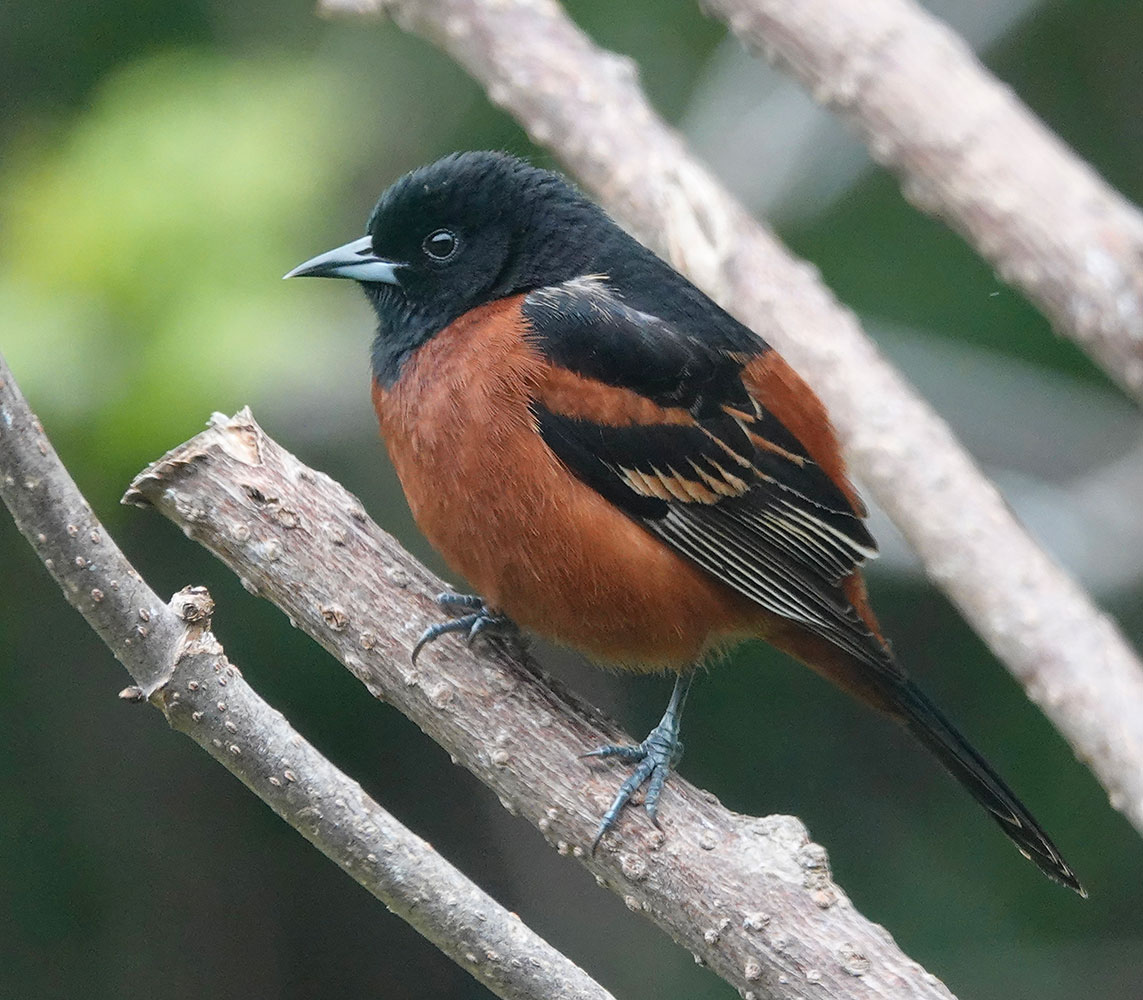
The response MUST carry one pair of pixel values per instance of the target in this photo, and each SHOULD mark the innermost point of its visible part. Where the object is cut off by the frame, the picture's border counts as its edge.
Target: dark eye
(440, 245)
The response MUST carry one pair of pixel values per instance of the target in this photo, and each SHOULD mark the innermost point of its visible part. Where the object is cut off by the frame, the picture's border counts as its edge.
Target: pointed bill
(355, 260)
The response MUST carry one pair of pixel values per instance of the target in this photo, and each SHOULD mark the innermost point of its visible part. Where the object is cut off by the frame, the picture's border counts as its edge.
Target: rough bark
(177, 663)
(752, 898)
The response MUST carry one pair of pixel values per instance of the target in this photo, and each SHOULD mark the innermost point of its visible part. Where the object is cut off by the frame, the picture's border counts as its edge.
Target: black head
(468, 229)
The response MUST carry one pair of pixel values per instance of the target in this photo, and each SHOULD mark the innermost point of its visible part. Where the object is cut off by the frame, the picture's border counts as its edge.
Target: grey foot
(478, 621)
(655, 758)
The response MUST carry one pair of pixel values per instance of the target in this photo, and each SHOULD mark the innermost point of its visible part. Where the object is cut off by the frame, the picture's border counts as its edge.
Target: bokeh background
(161, 166)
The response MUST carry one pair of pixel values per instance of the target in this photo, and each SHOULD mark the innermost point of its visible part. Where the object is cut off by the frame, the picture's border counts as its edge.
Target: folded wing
(696, 459)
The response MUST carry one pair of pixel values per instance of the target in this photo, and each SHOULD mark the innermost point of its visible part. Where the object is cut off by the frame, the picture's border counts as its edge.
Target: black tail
(927, 723)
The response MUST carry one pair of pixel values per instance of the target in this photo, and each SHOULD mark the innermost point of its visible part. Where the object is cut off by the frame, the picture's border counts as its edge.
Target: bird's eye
(440, 245)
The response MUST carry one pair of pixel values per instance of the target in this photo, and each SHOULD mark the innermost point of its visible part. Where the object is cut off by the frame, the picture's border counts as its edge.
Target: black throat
(401, 330)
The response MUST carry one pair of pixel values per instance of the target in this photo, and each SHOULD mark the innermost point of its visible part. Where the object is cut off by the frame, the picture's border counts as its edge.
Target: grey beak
(354, 260)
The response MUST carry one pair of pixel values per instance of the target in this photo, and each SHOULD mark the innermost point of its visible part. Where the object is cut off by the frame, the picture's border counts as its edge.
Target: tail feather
(929, 725)
(879, 681)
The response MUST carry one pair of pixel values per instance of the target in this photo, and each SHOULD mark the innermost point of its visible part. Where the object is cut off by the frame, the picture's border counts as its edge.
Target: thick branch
(587, 106)
(177, 662)
(753, 898)
(970, 152)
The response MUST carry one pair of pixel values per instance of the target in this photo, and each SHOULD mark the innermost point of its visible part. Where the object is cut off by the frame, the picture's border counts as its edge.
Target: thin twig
(179, 665)
(968, 151)
(752, 898)
(587, 106)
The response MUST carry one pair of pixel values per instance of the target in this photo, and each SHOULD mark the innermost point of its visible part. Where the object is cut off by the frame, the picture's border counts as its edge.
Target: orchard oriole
(614, 461)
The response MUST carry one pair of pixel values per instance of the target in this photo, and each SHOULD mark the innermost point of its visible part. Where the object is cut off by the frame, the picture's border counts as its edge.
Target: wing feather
(730, 487)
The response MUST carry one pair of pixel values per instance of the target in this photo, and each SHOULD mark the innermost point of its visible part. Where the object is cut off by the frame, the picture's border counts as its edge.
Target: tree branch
(968, 151)
(753, 898)
(179, 665)
(587, 106)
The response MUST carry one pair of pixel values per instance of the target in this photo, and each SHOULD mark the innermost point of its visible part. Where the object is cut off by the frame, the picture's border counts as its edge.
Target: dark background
(161, 166)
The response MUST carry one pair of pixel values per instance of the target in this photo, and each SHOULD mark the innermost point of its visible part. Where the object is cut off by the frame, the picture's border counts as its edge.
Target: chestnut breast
(531, 538)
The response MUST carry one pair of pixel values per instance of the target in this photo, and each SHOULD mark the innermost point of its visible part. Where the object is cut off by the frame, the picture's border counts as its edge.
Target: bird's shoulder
(686, 380)
(616, 336)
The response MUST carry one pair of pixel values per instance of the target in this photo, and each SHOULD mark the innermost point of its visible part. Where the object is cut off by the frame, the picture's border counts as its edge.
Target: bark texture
(178, 664)
(752, 898)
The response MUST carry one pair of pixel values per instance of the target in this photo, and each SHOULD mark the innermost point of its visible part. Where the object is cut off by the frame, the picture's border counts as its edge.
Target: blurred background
(162, 165)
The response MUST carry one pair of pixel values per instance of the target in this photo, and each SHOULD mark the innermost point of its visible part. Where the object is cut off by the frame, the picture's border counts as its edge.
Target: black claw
(434, 632)
(480, 620)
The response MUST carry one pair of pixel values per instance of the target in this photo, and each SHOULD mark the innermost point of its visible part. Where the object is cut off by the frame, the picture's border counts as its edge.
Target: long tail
(873, 676)
(929, 725)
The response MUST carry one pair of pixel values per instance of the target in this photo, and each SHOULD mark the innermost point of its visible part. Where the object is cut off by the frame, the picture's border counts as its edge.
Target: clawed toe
(479, 621)
(652, 771)
(457, 602)
(654, 758)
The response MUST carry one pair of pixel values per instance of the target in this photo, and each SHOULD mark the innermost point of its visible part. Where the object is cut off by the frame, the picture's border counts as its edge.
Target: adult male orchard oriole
(613, 461)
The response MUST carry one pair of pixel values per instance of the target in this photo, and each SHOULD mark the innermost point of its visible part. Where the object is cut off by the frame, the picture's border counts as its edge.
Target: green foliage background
(160, 167)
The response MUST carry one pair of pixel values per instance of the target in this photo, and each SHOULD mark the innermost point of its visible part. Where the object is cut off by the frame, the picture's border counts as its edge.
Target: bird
(617, 464)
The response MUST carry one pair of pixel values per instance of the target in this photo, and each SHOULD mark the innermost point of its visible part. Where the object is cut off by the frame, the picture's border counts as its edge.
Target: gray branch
(586, 104)
(752, 898)
(968, 151)
(177, 663)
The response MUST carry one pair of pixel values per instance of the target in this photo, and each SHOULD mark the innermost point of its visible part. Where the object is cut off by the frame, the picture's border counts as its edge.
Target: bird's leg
(655, 757)
(478, 621)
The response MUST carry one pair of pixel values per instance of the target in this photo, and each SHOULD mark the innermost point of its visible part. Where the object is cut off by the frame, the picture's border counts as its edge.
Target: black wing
(728, 486)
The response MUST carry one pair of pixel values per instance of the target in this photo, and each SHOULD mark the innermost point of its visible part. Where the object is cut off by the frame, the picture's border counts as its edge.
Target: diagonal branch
(586, 104)
(176, 662)
(967, 150)
(752, 898)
